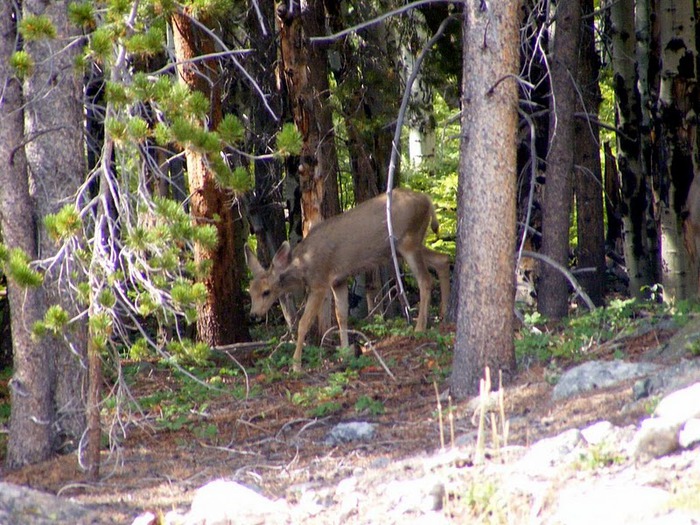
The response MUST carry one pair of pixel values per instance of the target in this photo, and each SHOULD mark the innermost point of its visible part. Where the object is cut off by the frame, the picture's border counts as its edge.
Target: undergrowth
(574, 338)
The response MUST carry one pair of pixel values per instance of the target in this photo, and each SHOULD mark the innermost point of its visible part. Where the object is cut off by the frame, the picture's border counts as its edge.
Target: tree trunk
(613, 200)
(641, 246)
(421, 119)
(222, 319)
(678, 140)
(588, 182)
(306, 76)
(305, 72)
(553, 294)
(57, 167)
(486, 196)
(31, 389)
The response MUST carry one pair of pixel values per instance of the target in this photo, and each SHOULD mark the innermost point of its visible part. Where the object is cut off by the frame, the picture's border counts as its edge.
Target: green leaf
(289, 140)
(22, 63)
(116, 93)
(198, 104)
(56, 319)
(231, 129)
(140, 350)
(101, 44)
(145, 44)
(64, 224)
(118, 8)
(137, 129)
(207, 236)
(162, 134)
(106, 298)
(17, 268)
(116, 129)
(82, 14)
(36, 27)
(203, 9)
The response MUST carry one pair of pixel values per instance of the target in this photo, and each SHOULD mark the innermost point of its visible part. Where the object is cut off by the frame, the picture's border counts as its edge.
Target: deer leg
(440, 263)
(340, 293)
(313, 304)
(417, 264)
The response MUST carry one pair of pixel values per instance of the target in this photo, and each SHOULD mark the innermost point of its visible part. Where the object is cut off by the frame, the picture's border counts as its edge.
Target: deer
(345, 245)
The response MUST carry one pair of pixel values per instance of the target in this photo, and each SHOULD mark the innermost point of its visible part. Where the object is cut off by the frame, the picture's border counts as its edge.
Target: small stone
(147, 518)
(598, 432)
(689, 435)
(347, 432)
(656, 437)
(641, 389)
(681, 405)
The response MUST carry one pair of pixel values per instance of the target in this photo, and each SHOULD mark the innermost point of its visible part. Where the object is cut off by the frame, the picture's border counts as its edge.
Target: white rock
(552, 451)
(224, 502)
(609, 503)
(690, 433)
(681, 405)
(147, 518)
(655, 438)
(416, 495)
(598, 433)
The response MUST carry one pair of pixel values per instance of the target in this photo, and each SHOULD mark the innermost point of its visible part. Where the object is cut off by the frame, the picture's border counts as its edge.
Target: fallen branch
(577, 287)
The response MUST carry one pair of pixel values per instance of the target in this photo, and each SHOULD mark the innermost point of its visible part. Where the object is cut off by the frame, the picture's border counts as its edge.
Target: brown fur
(345, 245)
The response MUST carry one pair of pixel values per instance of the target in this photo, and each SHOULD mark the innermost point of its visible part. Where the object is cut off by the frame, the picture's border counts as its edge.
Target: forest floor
(272, 441)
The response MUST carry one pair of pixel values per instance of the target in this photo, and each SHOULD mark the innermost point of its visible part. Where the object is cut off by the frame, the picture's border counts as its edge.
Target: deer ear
(253, 262)
(283, 257)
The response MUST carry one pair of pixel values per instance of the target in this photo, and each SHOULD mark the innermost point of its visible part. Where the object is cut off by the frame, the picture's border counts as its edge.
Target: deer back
(358, 239)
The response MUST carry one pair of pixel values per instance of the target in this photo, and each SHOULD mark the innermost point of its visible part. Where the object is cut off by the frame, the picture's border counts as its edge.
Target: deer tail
(434, 224)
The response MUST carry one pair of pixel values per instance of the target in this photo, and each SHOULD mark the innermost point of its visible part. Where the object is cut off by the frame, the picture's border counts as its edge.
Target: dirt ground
(269, 442)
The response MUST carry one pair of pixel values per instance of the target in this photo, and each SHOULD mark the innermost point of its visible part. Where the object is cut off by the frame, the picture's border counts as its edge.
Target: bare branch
(577, 287)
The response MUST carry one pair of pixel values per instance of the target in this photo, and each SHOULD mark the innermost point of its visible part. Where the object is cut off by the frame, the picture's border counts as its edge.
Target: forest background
(144, 142)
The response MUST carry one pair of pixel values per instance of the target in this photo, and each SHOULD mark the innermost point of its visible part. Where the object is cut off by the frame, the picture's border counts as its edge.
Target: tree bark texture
(305, 72)
(640, 229)
(677, 105)
(421, 118)
(553, 294)
(57, 166)
(486, 195)
(588, 181)
(31, 388)
(222, 319)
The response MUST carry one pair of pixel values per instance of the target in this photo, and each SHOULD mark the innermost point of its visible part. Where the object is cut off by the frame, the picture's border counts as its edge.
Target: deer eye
(266, 293)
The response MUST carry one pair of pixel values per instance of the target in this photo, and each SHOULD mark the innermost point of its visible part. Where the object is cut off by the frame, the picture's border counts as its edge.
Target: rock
(655, 438)
(147, 518)
(551, 451)
(416, 495)
(681, 405)
(598, 374)
(353, 431)
(690, 433)
(33, 507)
(225, 502)
(610, 503)
(642, 388)
(598, 432)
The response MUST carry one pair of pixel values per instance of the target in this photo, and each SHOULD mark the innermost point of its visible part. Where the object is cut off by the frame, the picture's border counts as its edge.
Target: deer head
(268, 285)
